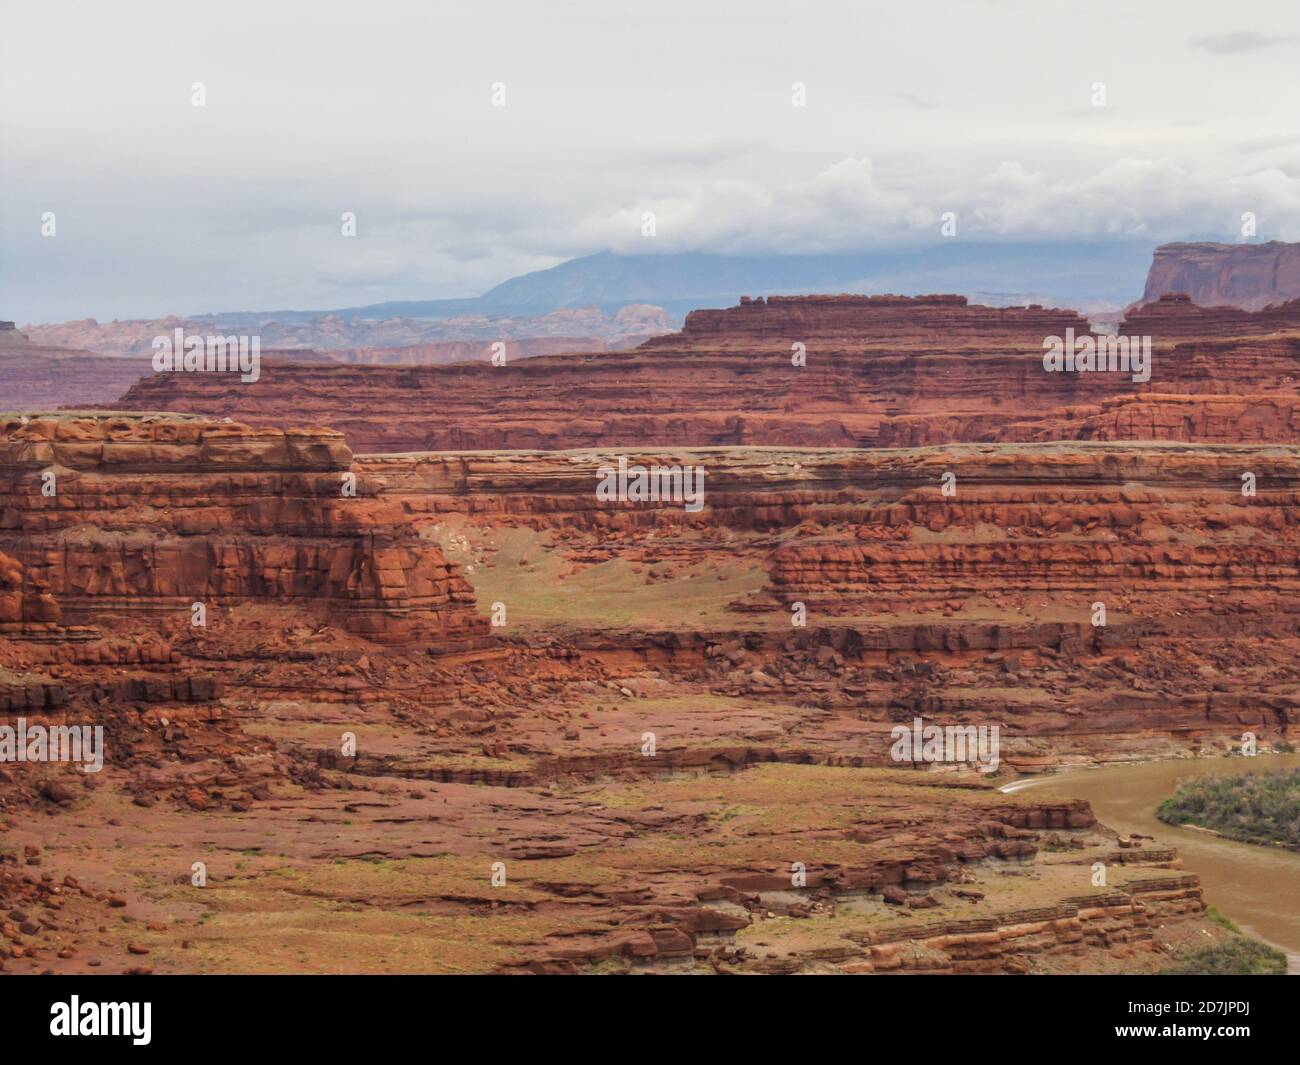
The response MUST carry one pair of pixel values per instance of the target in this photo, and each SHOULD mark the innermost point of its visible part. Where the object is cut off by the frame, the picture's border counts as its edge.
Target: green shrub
(1253, 808)
(1237, 956)
(1221, 920)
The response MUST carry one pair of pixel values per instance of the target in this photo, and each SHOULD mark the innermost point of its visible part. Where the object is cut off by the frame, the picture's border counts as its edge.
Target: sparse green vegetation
(1253, 808)
(1222, 920)
(1237, 956)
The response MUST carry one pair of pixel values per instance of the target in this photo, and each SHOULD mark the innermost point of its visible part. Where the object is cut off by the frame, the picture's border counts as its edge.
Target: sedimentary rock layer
(1175, 316)
(1090, 599)
(115, 515)
(1251, 276)
(769, 829)
(794, 371)
(36, 378)
(952, 554)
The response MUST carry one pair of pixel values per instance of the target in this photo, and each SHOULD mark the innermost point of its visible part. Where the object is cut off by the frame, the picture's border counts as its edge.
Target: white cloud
(853, 204)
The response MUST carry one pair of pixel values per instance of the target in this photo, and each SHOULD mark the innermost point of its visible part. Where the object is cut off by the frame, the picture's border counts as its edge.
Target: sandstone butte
(1249, 276)
(498, 643)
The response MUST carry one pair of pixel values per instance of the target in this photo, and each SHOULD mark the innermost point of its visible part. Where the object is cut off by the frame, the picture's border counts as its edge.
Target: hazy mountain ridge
(585, 326)
(1062, 273)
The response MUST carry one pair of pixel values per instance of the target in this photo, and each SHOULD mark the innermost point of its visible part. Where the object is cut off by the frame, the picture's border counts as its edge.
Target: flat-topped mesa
(122, 515)
(875, 317)
(1176, 316)
(1249, 276)
(833, 371)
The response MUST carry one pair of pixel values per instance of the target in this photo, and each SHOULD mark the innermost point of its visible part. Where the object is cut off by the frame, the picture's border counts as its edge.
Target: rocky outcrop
(1249, 276)
(676, 752)
(1267, 418)
(971, 553)
(26, 606)
(848, 318)
(1176, 316)
(119, 515)
(870, 317)
(842, 371)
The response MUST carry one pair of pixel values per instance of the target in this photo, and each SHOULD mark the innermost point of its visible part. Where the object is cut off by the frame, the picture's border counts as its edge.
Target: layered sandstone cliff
(1177, 315)
(987, 563)
(867, 572)
(117, 515)
(617, 621)
(840, 371)
(1249, 276)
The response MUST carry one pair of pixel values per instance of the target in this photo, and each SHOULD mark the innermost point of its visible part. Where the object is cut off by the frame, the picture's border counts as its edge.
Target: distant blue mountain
(1066, 274)
(1111, 272)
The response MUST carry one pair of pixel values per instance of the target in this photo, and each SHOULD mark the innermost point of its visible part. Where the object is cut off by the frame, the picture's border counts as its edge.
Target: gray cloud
(384, 110)
(1238, 41)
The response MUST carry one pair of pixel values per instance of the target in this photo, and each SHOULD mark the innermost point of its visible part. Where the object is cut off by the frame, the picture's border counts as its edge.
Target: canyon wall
(841, 371)
(969, 557)
(115, 516)
(41, 376)
(916, 524)
(1250, 276)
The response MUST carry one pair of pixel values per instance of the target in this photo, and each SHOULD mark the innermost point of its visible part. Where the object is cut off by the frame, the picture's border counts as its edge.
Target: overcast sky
(384, 108)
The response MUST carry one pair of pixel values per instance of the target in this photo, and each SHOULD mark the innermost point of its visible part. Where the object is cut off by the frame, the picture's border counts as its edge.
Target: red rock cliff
(1250, 276)
(118, 516)
(877, 372)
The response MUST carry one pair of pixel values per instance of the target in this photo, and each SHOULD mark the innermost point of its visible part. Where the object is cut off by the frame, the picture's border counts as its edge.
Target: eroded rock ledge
(111, 515)
(335, 616)
(881, 371)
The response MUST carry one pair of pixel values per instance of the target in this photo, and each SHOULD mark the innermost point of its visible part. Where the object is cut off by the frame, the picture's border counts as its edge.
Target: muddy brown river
(1258, 887)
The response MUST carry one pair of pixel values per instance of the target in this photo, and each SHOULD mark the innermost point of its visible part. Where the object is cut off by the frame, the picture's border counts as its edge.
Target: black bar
(1013, 1014)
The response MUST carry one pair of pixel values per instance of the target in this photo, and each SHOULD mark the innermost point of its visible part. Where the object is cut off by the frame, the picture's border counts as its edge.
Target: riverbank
(1256, 887)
